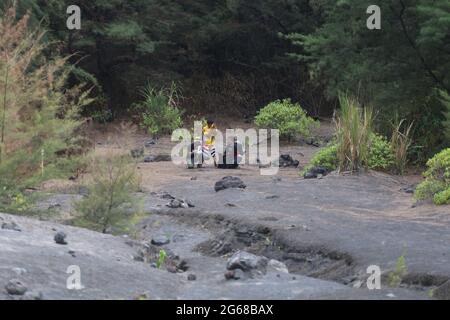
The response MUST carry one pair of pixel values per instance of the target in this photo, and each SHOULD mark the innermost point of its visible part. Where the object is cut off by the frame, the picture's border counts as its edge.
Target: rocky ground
(280, 237)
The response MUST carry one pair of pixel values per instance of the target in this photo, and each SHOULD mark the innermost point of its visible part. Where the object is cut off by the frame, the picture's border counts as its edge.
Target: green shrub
(159, 110)
(325, 157)
(381, 156)
(110, 199)
(437, 179)
(289, 118)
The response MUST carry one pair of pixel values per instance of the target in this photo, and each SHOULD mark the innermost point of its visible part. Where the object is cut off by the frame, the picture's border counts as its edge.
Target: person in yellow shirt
(209, 132)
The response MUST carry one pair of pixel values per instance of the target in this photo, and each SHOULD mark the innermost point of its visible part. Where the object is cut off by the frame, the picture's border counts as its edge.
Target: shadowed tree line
(236, 56)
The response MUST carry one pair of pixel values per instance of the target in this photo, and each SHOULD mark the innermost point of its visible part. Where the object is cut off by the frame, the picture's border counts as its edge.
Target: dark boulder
(229, 182)
(15, 287)
(60, 238)
(247, 262)
(287, 161)
(314, 172)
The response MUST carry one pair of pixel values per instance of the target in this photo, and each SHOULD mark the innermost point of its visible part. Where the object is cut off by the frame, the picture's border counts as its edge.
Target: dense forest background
(232, 57)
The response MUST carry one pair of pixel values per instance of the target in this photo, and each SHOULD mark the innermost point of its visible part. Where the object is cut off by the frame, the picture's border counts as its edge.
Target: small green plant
(110, 199)
(160, 112)
(395, 278)
(437, 179)
(354, 130)
(381, 156)
(161, 259)
(289, 118)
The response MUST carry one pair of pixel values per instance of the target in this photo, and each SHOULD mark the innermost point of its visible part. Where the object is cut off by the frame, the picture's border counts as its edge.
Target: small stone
(172, 269)
(309, 175)
(174, 204)
(72, 253)
(229, 274)
(166, 195)
(149, 143)
(183, 266)
(193, 178)
(15, 287)
(189, 203)
(60, 238)
(192, 277)
(149, 159)
(273, 196)
(246, 261)
(160, 240)
(11, 226)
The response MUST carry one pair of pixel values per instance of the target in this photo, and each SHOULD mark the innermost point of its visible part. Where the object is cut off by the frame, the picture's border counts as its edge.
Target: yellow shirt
(208, 133)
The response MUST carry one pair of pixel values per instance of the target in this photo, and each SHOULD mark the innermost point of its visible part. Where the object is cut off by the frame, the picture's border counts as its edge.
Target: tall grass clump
(400, 143)
(38, 112)
(353, 132)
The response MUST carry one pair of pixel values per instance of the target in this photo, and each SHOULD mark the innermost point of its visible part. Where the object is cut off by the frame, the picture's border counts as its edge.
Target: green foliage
(381, 156)
(110, 200)
(39, 113)
(289, 118)
(160, 111)
(353, 132)
(395, 278)
(437, 179)
(396, 69)
(325, 157)
(161, 258)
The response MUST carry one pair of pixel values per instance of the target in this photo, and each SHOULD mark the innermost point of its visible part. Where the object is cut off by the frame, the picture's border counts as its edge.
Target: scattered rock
(19, 271)
(273, 196)
(149, 159)
(229, 182)
(158, 158)
(60, 238)
(172, 269)
(277, 266)
(15, 287)
(149, 143)
(32, 295)
(410, 189)
(11, 226)
(193, 178)
(54, 206)
(174, 204)
(166, 195)
(72, 253)
(287, 161)
(160, 240)
(180, 203)
(247, 262)
(229, 274)
(315, 172)
(442, 292)
(182, 266)
(231, 205)
(192, 277)
(137, 153)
